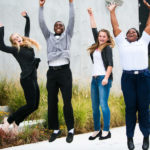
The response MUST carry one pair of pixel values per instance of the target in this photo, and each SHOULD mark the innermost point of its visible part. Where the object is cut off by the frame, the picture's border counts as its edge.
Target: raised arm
(70, 26)
(92, 19)
(114, 21)
(27, 26)
(93, 24)
(3, 47)
(147, 28)
(42, 23)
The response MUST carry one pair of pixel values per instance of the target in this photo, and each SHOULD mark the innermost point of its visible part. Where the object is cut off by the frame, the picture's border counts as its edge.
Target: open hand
(90, 12)
(42, 2)
(146, 3)
(112, 7)
(24, 13)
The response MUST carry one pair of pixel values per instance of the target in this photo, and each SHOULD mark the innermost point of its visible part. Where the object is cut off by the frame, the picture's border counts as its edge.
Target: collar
(57, 34)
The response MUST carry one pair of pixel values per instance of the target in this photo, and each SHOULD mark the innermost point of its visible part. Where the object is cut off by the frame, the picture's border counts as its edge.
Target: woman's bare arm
(114, 21)
(147, 28)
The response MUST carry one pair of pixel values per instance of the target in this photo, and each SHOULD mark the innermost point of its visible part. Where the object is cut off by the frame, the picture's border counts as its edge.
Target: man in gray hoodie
(59, 75)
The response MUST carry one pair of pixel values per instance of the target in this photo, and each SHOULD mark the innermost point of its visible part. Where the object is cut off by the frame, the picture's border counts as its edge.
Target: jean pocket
(146, 73)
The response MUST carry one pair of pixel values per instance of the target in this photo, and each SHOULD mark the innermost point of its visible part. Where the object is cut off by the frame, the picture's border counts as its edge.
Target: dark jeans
(136, 93)
(32, 95)
(59, 79)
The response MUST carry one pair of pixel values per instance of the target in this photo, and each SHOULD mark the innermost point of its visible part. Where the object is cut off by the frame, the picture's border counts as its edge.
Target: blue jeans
(99, 96)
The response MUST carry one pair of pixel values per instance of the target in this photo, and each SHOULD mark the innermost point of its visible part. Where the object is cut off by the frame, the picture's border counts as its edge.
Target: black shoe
(130, 143)
(69, 137)
(105, 137)
(94, 137)
(54, 136)
(145, 145)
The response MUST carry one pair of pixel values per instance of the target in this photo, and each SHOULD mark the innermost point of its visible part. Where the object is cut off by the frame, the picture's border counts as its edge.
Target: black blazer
(106, 53)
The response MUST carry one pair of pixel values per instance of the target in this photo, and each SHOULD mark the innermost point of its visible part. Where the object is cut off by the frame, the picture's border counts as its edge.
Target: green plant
(117, 109)
(2, 115)
(81, 102)
(4, 91)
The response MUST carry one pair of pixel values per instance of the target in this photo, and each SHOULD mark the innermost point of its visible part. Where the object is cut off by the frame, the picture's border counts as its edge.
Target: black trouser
(59, 79)
(32, 95)
(136, 91)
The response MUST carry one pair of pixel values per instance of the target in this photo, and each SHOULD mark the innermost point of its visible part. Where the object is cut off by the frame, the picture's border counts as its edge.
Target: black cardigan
(106, 53)
(25, 56)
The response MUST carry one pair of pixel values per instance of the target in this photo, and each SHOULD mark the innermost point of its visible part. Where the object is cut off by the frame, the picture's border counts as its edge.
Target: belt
(59, 67)
(134, 71)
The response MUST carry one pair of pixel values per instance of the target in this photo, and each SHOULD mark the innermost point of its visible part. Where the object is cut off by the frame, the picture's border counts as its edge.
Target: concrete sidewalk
(81, 142)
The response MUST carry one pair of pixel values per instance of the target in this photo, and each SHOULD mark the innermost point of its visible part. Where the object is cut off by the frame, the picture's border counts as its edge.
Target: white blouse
(98, 65)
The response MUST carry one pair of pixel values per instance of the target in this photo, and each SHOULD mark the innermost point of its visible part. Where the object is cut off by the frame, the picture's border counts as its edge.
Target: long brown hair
(96, 45)
(26, 42)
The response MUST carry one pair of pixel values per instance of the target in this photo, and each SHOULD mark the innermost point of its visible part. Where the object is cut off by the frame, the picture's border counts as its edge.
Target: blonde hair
(95, 46)
(26, 42)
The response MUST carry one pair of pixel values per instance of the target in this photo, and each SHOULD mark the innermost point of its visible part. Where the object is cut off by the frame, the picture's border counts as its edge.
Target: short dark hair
(138, 34)
(61, 22)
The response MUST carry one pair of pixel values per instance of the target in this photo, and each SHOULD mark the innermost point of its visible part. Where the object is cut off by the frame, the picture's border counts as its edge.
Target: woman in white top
(101, 55)
(135, 81)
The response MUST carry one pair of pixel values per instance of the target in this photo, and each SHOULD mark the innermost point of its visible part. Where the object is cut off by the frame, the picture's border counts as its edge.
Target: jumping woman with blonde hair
(22, 50)
(101, 55)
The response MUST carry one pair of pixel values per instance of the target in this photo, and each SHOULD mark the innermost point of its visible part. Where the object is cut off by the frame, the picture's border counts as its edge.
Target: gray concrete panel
(58, 10)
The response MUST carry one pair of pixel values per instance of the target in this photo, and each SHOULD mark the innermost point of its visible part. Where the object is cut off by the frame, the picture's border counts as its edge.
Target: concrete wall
(58, 10)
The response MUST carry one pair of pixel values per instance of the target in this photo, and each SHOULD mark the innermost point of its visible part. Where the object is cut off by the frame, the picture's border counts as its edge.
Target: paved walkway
(81, 142)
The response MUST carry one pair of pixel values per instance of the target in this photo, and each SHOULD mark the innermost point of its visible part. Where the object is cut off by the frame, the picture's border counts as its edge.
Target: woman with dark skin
(135, 77)
(101, 55)
(24, 54)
